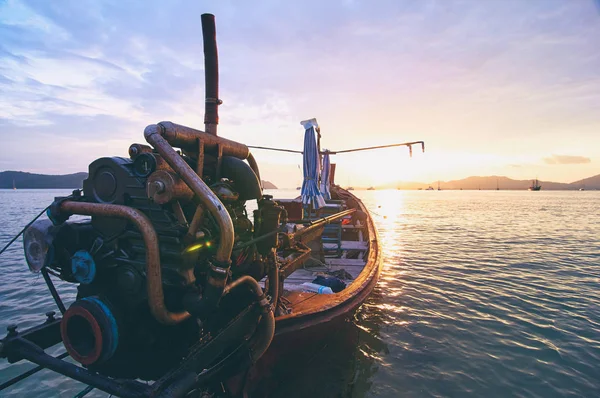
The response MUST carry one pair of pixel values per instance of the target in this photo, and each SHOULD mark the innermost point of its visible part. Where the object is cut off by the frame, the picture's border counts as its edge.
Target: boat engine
(131, 318)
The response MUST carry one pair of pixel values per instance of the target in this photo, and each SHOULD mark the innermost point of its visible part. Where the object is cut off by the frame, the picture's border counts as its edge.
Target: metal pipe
(274, 279)
(195, 223)
(53, 291)
(28, 373)
(121, 388)
(203, 193)
(263, 336)
(187, 138)
(246, 279)
(254, 166)
(154, 285)
(266, 328)
(211, 74)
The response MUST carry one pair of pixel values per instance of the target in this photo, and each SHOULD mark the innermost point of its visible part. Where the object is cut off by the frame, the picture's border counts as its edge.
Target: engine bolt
(159, 186)
(50, 316)
(12, 330)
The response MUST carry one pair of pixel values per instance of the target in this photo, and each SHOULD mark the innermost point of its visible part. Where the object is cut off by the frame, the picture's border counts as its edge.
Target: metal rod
(122, 388)
(84, 392)
(319, 222)
(379, 147)
(30, 372)
(154, 287)
(255, 240)
(200, 160)
(195, 223)
(53, 291)
(274, 149)
(345, 150)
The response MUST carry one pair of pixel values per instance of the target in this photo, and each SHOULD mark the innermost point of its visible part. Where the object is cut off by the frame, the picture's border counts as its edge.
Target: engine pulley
(89, 331)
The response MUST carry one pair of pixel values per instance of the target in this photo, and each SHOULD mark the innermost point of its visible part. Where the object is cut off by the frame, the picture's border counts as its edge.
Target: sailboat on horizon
(14, 186)
(535, 185)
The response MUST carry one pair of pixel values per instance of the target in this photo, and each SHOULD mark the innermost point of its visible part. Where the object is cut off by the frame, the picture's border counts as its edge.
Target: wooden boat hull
(310, 324)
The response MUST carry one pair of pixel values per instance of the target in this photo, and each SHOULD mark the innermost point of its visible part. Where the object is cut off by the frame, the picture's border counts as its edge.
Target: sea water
(483, 293)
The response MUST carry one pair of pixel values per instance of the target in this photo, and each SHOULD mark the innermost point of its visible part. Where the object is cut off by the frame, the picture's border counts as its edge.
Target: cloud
(90, 69)
(567, 159)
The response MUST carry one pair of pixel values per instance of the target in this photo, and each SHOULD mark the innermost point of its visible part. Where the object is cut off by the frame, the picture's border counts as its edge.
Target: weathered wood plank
(345, 261)
(347, 245)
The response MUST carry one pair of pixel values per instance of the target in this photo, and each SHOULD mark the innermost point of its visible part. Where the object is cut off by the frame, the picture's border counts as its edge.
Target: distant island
(493, 182)
(41, 181)
(23, 180)
(268, 185)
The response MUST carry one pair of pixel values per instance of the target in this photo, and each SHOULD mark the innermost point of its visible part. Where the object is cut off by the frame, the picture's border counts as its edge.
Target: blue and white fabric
(325, 176)
(310, 186)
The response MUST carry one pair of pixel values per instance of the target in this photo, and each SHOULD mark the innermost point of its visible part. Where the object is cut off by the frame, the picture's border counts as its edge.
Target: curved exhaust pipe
(154, 286)
(203, 193)
(262, 338)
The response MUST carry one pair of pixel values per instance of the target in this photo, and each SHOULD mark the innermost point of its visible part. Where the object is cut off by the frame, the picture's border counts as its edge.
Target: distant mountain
(29, 180)
(24, 180)
(268, 185)
(587, 183)
(500, 182)
(490, 183)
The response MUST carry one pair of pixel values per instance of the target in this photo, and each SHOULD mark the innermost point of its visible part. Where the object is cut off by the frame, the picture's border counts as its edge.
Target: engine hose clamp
(265, 305)
(213, 101)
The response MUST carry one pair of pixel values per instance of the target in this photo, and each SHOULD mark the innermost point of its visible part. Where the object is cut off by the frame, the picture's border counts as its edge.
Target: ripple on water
(482, 294)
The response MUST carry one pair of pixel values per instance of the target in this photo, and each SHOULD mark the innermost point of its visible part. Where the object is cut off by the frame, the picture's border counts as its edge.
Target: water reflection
(341, 362)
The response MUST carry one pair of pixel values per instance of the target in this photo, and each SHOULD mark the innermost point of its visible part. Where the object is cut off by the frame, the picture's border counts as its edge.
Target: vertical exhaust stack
(211, 74)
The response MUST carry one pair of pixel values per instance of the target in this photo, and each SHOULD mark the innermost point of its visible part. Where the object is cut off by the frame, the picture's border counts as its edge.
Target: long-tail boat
(175, 283)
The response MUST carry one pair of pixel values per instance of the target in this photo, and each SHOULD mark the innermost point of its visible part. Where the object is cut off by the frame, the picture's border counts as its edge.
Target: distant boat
(298, 188)
(350, 189)
(497, 187)
(430, 188)
(439, 189)
(14, 186)
(535, 185)
(370, 189)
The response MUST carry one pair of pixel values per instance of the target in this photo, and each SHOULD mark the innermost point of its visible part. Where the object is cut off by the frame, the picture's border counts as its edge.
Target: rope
(23, 230)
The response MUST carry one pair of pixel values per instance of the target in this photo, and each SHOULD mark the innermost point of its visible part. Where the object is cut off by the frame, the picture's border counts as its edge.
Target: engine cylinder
(89, 331)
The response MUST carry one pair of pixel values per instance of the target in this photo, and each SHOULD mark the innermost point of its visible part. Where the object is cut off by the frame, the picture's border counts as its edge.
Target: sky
(493, 87)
